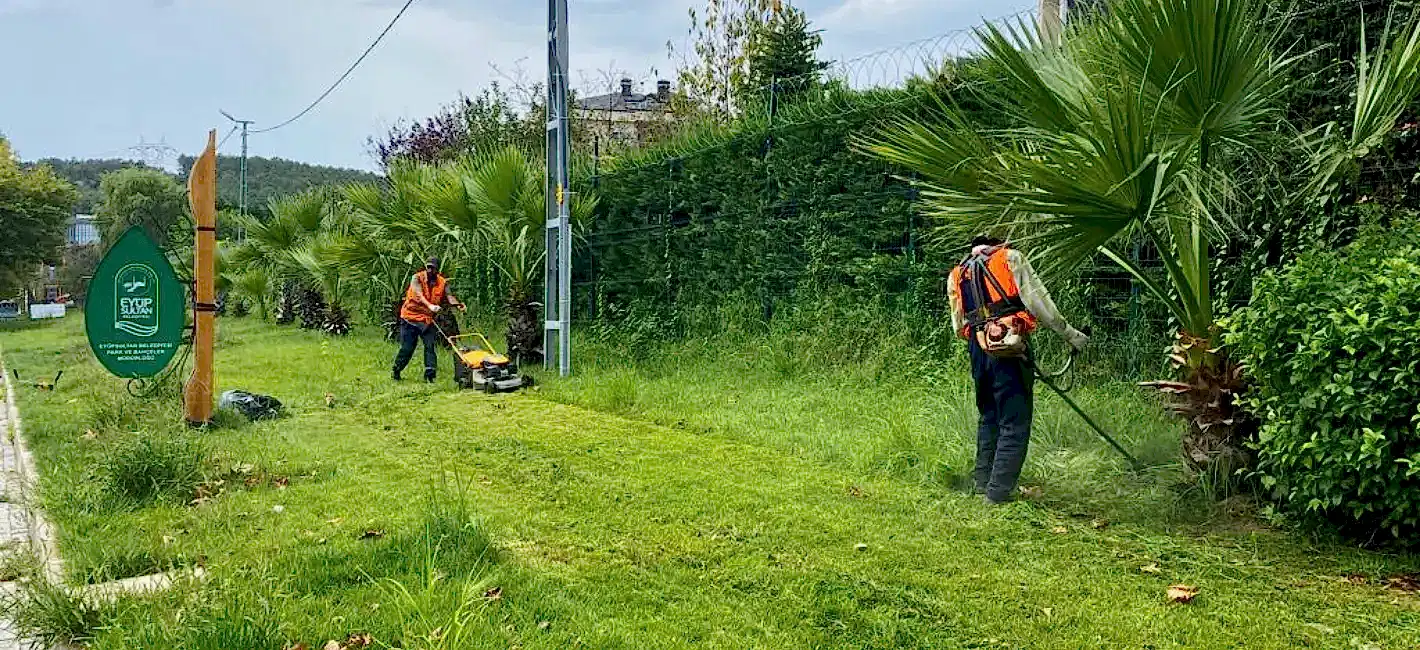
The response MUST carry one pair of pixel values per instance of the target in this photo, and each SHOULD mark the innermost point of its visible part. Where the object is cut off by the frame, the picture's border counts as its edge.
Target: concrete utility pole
(1049, 20)
(241, 170)
(557, 283)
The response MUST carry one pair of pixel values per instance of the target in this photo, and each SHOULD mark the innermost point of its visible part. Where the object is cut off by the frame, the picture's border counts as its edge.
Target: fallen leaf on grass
(495, 593)
(372, 534)
(543, 625)
(1357, 579)
(281, 482)
(855, 491)
(361, 640)
(335, 521)
(1151, 568)
(331, 645)
(1032, 492)
(298, 646)
(861, 546)
(1059, 530)
(329, 401)
(168, 540)
(91, 435)
(1404, 582)
(1048, 611)
(1182, 593)
(1099, 524)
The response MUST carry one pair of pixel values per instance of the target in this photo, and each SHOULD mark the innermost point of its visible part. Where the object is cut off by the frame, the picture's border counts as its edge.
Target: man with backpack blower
(997, 301)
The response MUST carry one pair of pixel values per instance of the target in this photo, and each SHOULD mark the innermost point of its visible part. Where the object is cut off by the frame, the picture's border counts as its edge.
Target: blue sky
(91, 78)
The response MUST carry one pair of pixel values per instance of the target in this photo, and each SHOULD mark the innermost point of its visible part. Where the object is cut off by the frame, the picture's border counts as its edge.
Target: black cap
(986, 240)
(433, 261)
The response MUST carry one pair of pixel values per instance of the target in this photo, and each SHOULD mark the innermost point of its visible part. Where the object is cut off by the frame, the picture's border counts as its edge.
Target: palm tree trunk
(1219, 432)
(311, 309)
(524, 332)
(337, 320)
(286, 303)
(392, 320)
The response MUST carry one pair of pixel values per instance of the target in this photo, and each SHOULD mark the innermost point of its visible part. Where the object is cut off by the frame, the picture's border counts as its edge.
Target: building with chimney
(624, 119)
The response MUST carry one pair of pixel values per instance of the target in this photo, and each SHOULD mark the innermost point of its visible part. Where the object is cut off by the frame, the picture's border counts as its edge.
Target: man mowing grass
(426, 292)
(996, 303)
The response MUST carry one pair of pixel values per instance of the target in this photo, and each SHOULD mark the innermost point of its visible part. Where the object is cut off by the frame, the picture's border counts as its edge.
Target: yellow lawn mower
(482, 367)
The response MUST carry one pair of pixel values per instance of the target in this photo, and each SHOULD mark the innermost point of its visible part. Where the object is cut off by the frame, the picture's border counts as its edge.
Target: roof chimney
(663, 90)
(626, 86)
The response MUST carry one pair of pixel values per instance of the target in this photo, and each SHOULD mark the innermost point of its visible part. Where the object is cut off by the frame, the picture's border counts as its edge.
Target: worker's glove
(435, 308)
(462, 307)
(1077, 339)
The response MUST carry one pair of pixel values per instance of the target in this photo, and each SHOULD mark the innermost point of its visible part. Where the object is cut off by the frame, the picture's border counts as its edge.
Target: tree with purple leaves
(468, 126)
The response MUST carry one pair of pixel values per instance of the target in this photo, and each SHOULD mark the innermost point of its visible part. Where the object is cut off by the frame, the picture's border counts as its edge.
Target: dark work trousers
(409, 336)
(1004, 397)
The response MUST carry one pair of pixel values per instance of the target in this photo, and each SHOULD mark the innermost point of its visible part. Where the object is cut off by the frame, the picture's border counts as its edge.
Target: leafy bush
(146, 467)
(1332, 345)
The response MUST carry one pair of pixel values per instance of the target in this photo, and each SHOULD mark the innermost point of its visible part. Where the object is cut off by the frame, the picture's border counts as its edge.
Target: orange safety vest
(991, 298)
(413, 310)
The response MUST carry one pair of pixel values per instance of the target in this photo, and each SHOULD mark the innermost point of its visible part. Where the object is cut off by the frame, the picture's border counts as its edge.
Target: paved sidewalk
(22, 529)
(14, 521)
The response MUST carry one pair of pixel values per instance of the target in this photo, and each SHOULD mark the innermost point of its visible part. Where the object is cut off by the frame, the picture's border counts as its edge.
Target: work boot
(394, 374)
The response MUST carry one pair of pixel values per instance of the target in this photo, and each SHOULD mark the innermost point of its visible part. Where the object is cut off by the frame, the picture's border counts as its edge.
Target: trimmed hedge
(766, 210)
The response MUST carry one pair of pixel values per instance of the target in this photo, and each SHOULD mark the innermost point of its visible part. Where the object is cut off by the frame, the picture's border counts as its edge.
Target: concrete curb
(21, 486)
(25, 478)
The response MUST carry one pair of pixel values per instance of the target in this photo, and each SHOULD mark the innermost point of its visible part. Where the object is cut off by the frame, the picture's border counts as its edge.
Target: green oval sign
(136, 308)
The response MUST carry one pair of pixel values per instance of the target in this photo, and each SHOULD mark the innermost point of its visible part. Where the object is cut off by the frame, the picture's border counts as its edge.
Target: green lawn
(711, 498)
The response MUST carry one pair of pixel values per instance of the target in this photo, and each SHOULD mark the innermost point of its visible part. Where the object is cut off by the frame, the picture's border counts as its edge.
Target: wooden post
(202, 198)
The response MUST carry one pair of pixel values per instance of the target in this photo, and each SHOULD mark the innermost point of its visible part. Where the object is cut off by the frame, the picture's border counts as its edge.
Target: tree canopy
(140, 197)
(269, 178)
(783, 54)
(85, 175)
(468, 126)
(35, 206)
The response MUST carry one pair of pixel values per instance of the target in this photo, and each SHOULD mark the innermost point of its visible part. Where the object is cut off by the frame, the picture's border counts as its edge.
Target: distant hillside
(269, 177)
(85, 174)
(266, 177)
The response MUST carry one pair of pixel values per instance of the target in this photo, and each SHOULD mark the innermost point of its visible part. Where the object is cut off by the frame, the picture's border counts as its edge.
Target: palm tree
(1133, 127)
(495, 209)
(388, 232)
(319, 261)
(253, 287)
(270, 244)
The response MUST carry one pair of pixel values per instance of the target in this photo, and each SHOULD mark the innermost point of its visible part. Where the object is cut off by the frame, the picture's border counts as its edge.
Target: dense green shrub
(1332, 348)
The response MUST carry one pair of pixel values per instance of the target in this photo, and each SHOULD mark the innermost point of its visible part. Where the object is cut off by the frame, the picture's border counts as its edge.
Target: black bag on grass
(253, 406)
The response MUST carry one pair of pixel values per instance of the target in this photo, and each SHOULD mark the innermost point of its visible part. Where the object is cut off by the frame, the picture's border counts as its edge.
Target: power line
(349, 70)
(227, 137)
